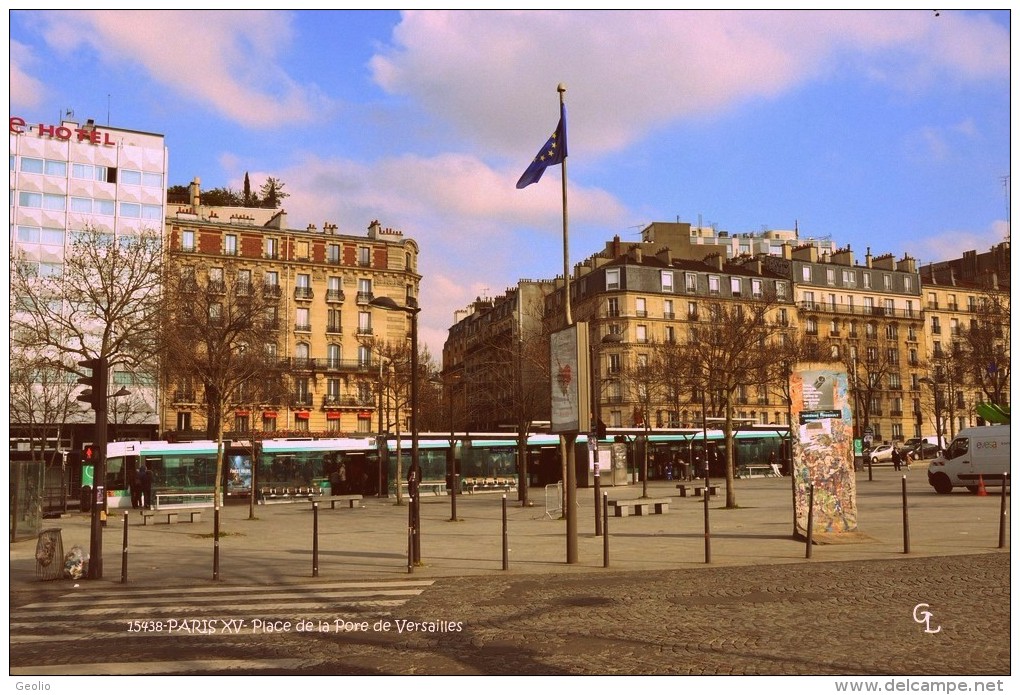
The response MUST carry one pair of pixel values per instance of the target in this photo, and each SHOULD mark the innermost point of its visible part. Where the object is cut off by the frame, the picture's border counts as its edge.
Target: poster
(823, 452)
(568, 351)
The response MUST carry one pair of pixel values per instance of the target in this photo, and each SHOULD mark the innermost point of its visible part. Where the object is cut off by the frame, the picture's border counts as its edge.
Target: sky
(875, 129)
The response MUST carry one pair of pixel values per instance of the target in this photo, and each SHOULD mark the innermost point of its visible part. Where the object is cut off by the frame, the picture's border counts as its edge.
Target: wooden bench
(640, 507)
(712, 490)
(751, 470)
(170, 514)
(352, 500)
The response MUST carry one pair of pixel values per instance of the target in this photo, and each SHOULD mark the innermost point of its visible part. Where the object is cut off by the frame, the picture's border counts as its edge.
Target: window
(230, 244)
(130, 177)
(809, 300)
(713, 284)
(908, 283)
(811, 326)
(805, 273)
(614, 363)
(269, 422)
(830, 276)
(152, 179)
(867, 281)
(333, 356)
(613, 306)
(735, 286)
(302, 322)
(667, 309)
(130, 210)
(52, 201)
(887, 281)
(333, 253)
(272, 248)
(364, 256)
(642, 334)
(642, 310)
(756, 289)
(302, 251)
(850, 278)
(691, 282)
(83, 205)
(31, 165)
(781, 290)
(244, 281)
(892, 331)
(666, 277)
(364, 323)
(333, 321)
(894, 382)
(304, 280)
(692, 311)
(187, 240)
(364, 356)
(271, 278)
(613, 279)
(241, 423)
(889, 306)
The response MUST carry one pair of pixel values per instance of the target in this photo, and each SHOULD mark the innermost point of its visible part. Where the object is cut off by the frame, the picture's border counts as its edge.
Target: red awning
(332, 415)
(365, 416)
(301, 415)
(241, 413)
(269, 414)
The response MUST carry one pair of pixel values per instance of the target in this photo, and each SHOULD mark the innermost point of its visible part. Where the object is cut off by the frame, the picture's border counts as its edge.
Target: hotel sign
(61, 132)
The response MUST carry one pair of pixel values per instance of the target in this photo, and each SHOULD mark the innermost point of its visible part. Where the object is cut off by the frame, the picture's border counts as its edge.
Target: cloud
(26, 91)
(953, 243)
(494, 74)
(225, 60)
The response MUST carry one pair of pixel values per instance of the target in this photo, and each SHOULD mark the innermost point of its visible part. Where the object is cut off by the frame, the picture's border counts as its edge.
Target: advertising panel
(568, 351)
(823, 451)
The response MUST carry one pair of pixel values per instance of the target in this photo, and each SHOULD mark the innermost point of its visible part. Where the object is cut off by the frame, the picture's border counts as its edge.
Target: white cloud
(26, 91)
(226, 60)
(494, 74)
(953, 243)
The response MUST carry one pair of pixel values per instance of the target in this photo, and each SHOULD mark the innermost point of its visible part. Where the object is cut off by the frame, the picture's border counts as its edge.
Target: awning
(332, 415)
(302, 415)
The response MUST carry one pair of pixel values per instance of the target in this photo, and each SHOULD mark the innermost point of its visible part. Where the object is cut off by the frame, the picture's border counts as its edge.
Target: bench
(712, 490)
(473, 485)
(436, 487)
(640, 507)
(751, 470)
(170, 514)
(180, 498)
(352, 500)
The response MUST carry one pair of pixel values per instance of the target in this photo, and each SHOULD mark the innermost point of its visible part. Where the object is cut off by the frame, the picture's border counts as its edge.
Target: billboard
(571, 378)
(823, 451)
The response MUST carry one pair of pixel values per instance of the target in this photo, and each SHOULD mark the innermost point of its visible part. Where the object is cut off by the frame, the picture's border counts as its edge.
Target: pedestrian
(342, 474)
(774, 466)
(685, 469)
(896, 458)
(334, 482)
(143, 482)
(136, 491)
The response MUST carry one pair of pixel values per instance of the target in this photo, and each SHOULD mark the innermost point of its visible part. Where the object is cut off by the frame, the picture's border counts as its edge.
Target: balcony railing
(301, 400)
(851, 310)
(303, 293)
(365, 297)
(334, 401)
(334, 295)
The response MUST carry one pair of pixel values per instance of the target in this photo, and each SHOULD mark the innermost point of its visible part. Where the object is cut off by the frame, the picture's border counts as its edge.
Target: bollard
(810, 520)
(598, 502)
(869, 471)
(315, 539)
(708, 533)
(605, 529)
(123, 557)
(506, 539)
(216, 544)
(410, 550)
(906, 521)
(1002, 512)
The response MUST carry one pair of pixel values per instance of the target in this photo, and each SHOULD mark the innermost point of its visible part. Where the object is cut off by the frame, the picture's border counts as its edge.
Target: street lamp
(413, 475)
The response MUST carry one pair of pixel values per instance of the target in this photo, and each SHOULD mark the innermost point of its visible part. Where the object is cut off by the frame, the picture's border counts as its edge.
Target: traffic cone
(982, 492)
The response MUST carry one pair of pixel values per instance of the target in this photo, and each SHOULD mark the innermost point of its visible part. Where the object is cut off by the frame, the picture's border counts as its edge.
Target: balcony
(334, 328)
(365, 297)
(185, 396)
(272, 290)
(334, 295)
(668, 315)
(303, 327)
(303, 293)
(216, 287)
(301, 400)
(364, 330)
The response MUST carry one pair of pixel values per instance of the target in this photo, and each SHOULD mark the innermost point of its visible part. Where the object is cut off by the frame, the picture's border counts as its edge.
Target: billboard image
(823, 452)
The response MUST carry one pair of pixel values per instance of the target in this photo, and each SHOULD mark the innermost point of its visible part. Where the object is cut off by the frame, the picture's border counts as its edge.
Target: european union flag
(553, 152)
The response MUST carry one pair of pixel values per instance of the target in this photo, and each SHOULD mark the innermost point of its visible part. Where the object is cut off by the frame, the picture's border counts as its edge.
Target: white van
(978, 454)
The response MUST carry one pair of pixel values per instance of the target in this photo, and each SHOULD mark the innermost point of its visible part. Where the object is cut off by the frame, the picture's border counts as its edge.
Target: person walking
(136, 492)
(896, 457)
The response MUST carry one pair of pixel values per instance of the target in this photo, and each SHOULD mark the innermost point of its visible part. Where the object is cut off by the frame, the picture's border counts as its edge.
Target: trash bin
(86, 498)
(49, 555)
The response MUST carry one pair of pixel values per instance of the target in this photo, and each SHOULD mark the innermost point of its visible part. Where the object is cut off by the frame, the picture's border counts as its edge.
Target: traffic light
(95, 395)
(88, 455)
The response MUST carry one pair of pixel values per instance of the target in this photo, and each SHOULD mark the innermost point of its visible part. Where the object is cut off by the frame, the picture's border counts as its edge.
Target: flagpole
(569, 438)
(561, 88)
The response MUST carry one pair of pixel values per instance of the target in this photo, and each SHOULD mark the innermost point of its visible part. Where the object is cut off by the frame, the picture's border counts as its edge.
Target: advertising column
(823, 452)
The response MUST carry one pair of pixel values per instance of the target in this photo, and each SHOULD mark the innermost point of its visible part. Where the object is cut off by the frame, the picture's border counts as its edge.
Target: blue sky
(888, 130)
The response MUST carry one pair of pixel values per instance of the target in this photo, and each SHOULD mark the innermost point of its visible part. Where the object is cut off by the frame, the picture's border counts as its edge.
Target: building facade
(881, 319)
(327, 333)
(69, 177)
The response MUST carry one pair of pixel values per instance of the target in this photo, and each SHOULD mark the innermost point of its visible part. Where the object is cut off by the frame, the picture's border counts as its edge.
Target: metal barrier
(554, 500)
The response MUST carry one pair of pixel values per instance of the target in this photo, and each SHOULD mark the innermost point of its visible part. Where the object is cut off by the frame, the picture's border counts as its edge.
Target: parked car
(921, 448)
(879, 454)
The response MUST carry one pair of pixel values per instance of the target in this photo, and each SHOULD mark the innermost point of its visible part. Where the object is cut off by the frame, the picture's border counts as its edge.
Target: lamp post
(596, 423)
(414, 475)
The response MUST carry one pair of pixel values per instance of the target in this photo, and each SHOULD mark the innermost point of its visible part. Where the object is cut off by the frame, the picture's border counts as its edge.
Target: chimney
(715, 260)
(195, 192)
(867, 258)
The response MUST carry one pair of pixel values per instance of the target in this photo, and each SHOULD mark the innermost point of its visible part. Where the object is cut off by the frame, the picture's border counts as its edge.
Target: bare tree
(41, 400)
(729, 353)
(984, 347)
(220, 330)
(103, 301)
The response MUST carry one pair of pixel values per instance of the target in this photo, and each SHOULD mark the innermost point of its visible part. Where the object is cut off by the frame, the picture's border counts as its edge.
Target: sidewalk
(370, 543)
